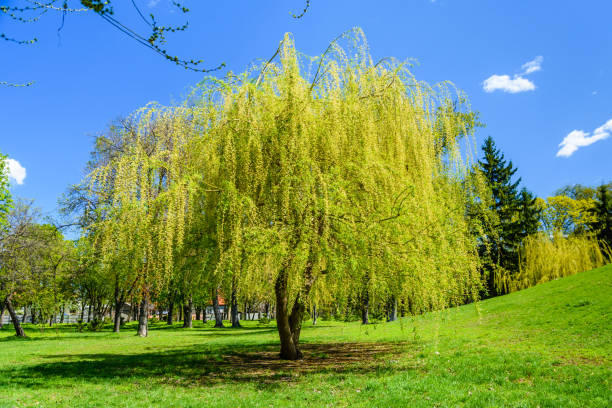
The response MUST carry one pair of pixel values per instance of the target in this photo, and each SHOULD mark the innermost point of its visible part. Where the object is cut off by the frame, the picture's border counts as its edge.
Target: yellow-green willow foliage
(321, 178)
(543, 258)
(149, 186)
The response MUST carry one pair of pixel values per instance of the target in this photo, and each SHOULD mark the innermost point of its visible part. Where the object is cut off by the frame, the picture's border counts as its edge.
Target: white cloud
(507, 84)
(578, 138)
(152, 3)
(532, 66)
(517, 83)
(16, 171)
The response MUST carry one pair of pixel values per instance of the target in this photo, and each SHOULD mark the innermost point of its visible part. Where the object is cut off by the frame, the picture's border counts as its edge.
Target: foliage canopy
(300, 180)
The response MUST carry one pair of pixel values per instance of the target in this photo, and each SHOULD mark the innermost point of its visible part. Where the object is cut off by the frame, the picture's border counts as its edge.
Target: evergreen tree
(603, 215)
(528, 213)
(508, 231)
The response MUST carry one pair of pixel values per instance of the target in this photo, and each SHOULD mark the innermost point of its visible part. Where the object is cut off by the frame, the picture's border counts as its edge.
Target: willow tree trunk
(365, 298)
(314, 315)
(365, 309)
(9, 306)
(187, 314)
(170, 317)
(63, 311)
(234, 302)
(290, 325)
(198, 312)
(204, 315)
(143, 318)
(1, 314)
(295, 322)
(288, 349)
(25, 314)
(217, 312)
(117, 317)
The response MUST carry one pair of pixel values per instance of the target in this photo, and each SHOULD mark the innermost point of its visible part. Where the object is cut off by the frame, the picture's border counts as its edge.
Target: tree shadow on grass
(202, 365)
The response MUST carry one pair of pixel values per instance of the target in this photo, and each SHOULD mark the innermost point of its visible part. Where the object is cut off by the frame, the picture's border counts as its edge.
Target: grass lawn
(548, 346)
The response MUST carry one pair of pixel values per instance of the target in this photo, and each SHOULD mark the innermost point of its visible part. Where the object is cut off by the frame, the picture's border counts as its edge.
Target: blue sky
(538, 72)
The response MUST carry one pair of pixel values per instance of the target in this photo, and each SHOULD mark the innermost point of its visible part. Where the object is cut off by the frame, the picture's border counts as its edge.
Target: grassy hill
(547, 346)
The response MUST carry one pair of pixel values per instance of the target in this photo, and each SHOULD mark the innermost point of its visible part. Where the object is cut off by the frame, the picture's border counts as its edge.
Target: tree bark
(290, 327)
(198, 312)
(187, 314)
(234, 302)
(143, 318)
(62, 311)
(89, 313)
(82, 310)
(217, 312)
(117, 318)
(288, 349)
(25, 314)
(170, 317)
(314, 315)
(365, 309)
(392, 313)
(9, 306)
(1, 314)
(295, 322)
(365, 298)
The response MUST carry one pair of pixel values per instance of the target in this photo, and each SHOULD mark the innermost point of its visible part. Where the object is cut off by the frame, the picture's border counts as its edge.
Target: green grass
(547, 346)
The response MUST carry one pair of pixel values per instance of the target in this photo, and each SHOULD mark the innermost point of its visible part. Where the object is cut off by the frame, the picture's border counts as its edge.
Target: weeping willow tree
(313, 180)
(545, 257)
(148, 188)
(336, 173)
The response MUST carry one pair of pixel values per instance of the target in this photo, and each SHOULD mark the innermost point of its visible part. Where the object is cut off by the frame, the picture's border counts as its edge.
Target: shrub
(80, 325)
(95, 325)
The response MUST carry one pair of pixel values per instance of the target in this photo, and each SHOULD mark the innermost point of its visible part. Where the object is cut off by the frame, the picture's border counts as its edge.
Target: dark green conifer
(510, 208)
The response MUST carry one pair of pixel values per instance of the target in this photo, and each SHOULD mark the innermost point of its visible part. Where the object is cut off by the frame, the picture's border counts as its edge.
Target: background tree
(529, 213)
(149, 200)
(17, 243)
(6, 203)
(595, 200)
(567, 215)
(504, 239)
(51, 262)
(602, 214)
